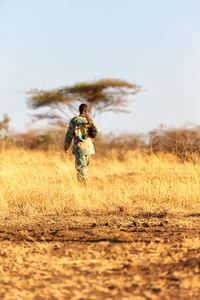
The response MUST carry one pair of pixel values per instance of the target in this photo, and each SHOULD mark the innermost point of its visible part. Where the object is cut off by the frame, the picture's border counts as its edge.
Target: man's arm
(68, 137)
(94, 130)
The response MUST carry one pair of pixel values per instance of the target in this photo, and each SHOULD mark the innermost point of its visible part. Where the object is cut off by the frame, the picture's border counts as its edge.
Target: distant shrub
(182, 142)
(122, 144)
(49, 139)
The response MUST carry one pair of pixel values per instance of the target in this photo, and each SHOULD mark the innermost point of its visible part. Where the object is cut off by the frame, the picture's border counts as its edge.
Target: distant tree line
(183, 142)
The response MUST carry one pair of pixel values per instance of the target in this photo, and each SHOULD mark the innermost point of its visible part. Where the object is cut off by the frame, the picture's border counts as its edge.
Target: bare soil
(95, 256)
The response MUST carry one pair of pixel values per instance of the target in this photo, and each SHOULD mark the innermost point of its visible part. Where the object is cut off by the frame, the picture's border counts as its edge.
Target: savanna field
(132, 232)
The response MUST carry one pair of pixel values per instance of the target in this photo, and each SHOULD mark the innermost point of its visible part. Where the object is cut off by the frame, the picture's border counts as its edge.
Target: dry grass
(39, 183)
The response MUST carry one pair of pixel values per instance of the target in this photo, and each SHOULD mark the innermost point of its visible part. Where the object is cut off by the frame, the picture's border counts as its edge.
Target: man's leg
(81, 163)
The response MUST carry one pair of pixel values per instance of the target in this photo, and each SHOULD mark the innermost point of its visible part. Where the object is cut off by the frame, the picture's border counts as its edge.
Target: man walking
(82, 129)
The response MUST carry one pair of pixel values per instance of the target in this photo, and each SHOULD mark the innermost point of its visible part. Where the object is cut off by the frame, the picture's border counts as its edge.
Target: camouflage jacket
(78, 131)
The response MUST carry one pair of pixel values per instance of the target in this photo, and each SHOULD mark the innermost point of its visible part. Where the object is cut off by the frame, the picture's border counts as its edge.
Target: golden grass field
(131, 233)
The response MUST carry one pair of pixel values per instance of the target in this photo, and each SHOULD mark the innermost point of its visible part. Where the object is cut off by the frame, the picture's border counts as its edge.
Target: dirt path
(98, 257)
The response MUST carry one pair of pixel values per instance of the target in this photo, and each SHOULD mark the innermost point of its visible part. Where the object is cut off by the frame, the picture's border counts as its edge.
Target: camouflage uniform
(83, 146)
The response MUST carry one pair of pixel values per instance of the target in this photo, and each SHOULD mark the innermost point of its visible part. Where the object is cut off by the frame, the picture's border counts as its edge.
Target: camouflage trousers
(81, 164)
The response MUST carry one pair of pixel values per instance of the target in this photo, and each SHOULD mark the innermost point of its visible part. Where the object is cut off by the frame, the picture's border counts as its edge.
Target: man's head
(83, 109)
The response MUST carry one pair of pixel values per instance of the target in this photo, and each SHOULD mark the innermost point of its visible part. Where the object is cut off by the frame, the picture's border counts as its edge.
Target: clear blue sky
(155, 43)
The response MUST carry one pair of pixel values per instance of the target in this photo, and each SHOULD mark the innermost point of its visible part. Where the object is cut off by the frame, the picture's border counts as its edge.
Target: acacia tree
(101, 96)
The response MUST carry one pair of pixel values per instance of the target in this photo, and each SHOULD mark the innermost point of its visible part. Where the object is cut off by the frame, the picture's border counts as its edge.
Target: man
(82, 129)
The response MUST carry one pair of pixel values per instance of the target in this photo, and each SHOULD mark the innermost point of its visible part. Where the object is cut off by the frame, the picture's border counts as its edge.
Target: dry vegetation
(39, 183)
(130, 233)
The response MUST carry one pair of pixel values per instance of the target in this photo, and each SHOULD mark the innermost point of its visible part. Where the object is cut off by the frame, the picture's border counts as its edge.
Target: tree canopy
(101, 96)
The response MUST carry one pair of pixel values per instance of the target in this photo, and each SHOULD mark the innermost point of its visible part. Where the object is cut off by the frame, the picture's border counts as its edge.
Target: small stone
(134, 223)
(111, 287)
(156, 290)
(145, 224)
